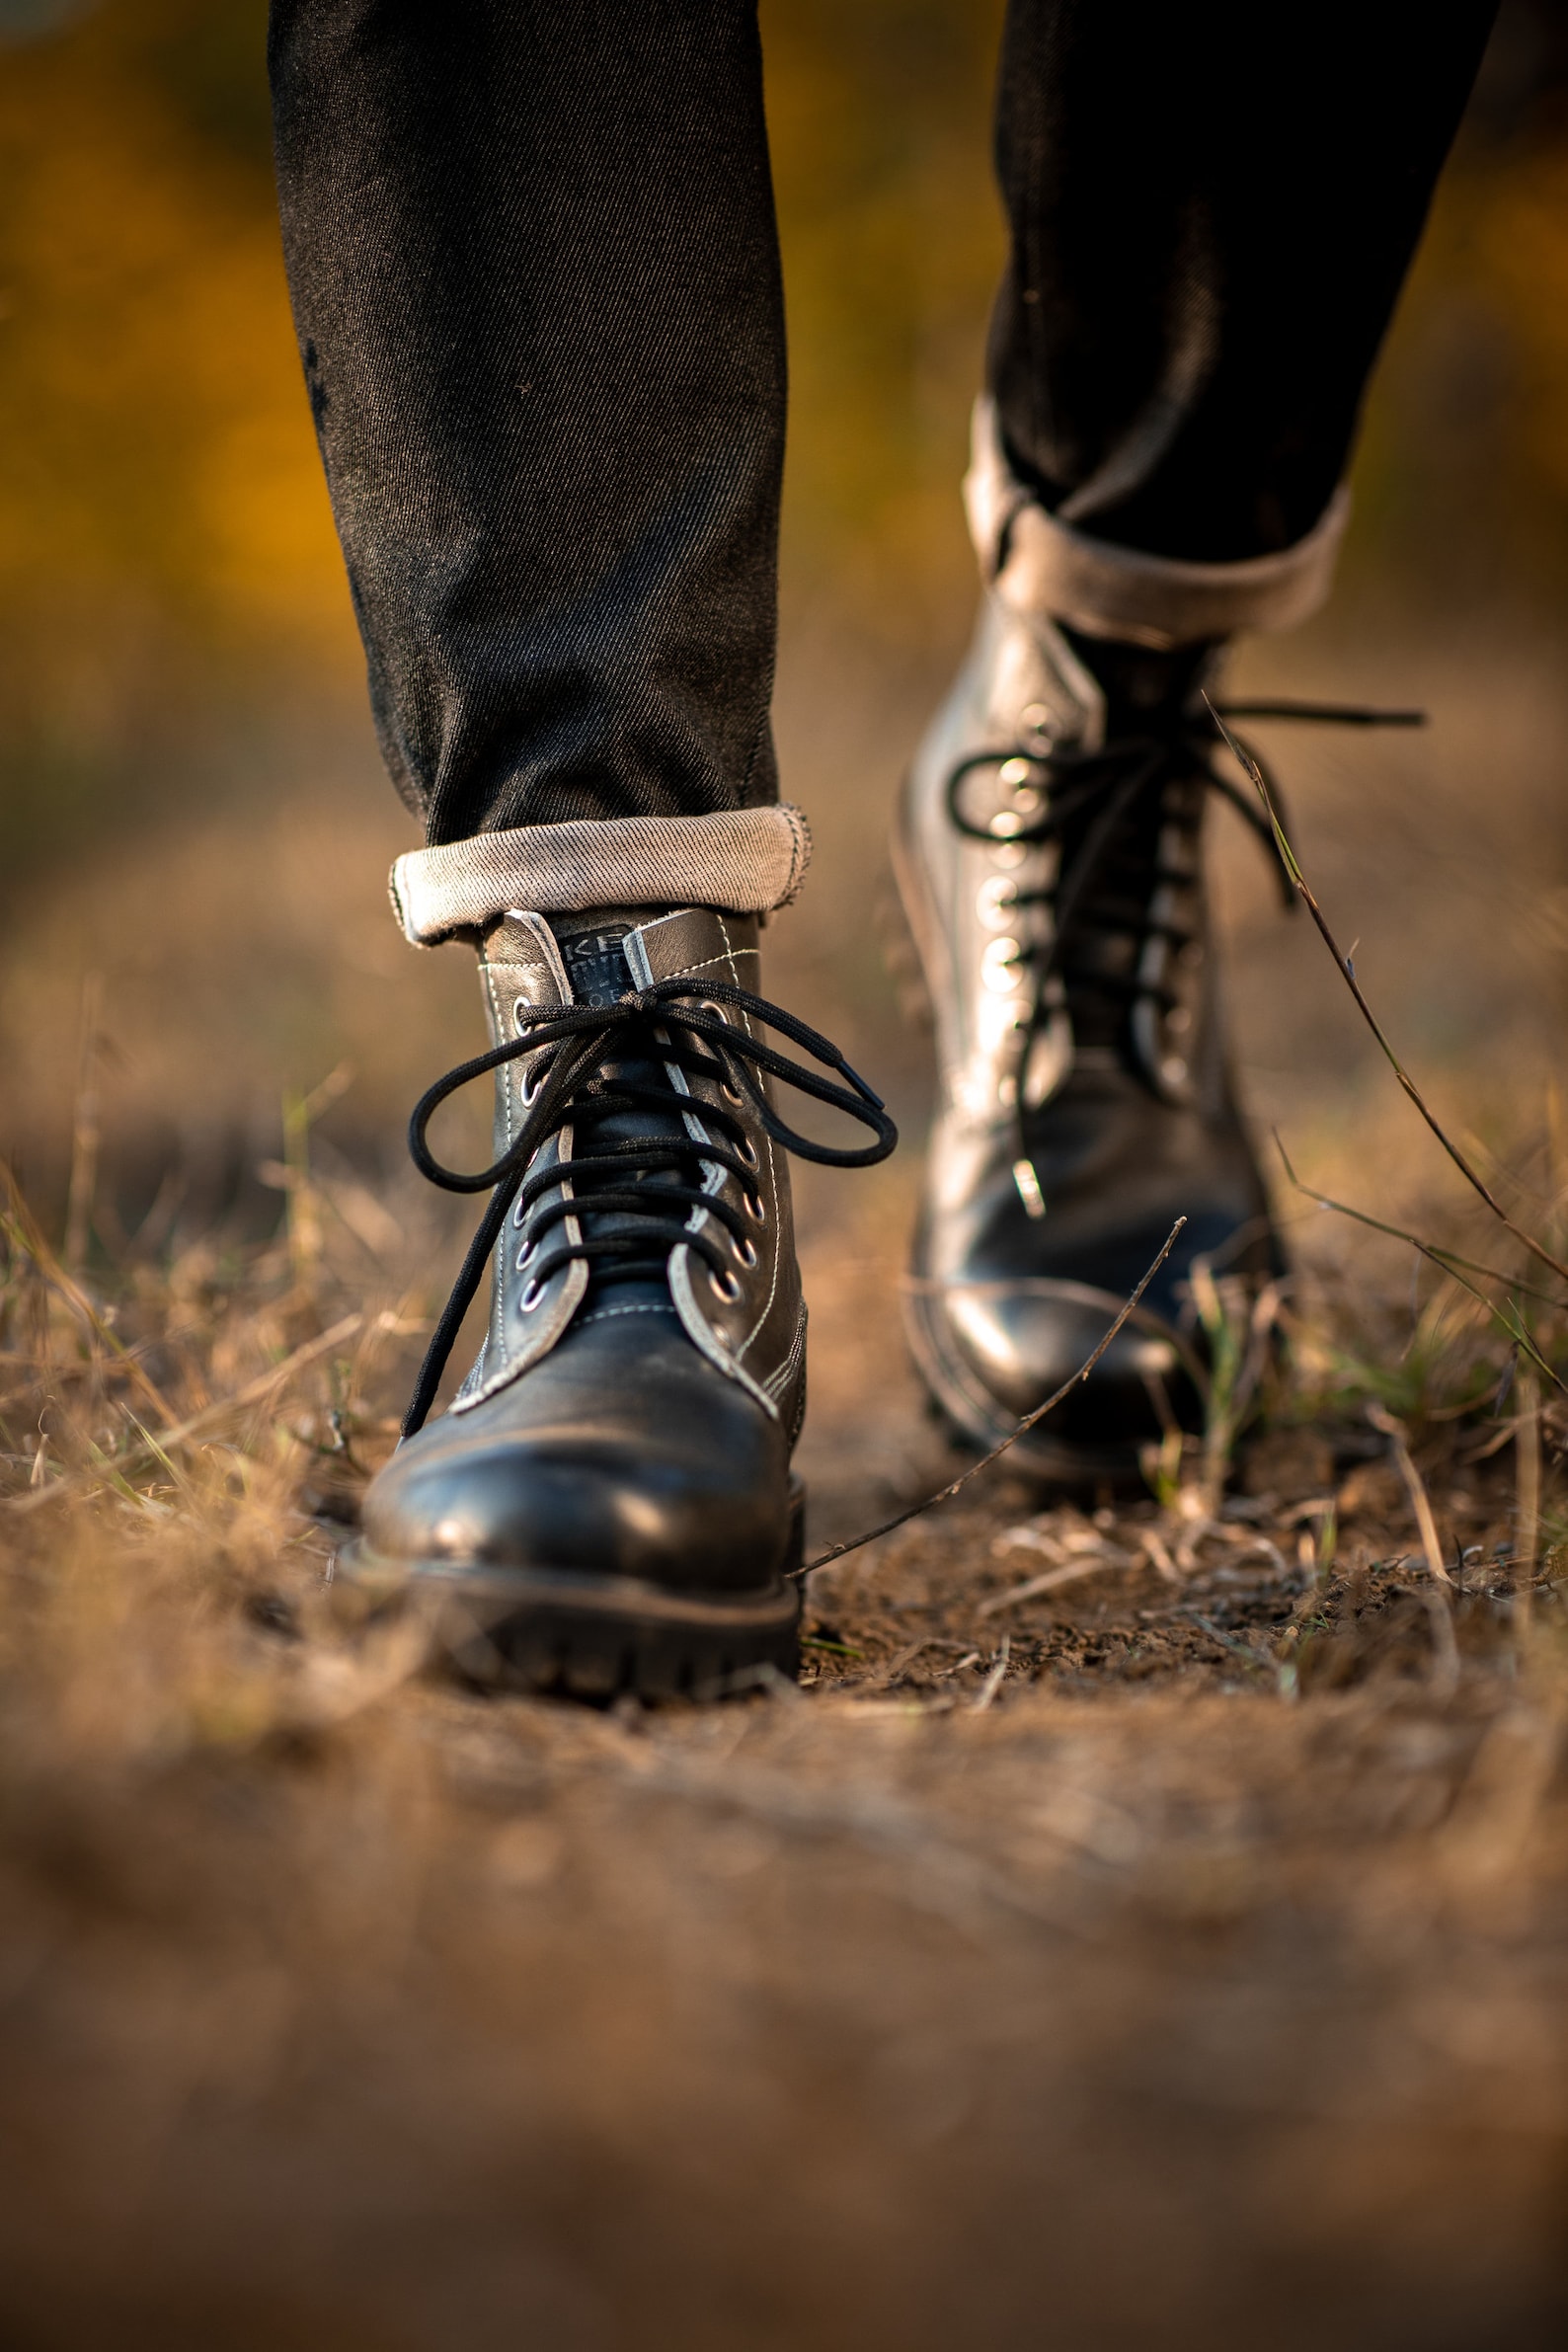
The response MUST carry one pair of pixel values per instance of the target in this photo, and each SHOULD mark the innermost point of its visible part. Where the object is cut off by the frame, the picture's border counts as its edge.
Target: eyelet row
(726, 1283)
(527, 1084)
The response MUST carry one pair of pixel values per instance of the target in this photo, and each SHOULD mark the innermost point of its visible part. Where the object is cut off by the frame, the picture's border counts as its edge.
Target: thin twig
(1347, 971)
(839, 1551)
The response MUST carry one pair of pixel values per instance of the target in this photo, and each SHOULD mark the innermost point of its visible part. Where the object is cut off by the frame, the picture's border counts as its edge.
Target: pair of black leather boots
(608, 1505)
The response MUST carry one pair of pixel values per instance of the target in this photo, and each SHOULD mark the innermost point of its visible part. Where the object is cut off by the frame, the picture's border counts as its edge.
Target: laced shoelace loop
(1104, 786)
(665, 1024)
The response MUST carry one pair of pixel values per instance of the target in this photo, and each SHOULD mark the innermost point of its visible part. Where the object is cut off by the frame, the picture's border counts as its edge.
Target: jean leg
(535, 269)
(1213, 207)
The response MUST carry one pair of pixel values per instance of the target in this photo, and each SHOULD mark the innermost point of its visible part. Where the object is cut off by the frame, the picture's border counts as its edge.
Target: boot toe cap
(673, 1475)
(1019, 1343)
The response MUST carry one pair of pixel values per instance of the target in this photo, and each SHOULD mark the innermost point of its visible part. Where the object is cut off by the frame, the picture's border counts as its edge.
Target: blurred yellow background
(192, 804)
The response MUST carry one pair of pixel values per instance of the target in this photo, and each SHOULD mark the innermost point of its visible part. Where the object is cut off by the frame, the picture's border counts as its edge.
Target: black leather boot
(608, 1505)
(1050, 859)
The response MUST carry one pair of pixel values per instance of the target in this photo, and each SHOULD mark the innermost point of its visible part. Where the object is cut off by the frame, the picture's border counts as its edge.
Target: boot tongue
(595, 956)
(1147, 695)
(592, 949)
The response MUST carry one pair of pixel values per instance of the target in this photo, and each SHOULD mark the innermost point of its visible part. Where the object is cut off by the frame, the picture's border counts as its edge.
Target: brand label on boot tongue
(596, 963)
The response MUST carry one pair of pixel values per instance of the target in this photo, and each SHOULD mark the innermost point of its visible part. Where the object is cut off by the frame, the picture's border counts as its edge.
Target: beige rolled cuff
(1039, 564)
(741, 861)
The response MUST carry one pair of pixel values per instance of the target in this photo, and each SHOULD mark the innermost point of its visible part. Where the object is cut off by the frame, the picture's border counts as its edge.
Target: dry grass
(1147, 1925)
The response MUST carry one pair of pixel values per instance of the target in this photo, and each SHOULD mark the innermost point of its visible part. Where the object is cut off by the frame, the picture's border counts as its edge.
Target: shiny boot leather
(608, 1504)
(1049, 855)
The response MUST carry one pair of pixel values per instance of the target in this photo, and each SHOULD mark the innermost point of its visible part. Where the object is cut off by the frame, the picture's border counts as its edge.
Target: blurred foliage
(880, 121)
(164, 542)
(164, 533)
(158, 456)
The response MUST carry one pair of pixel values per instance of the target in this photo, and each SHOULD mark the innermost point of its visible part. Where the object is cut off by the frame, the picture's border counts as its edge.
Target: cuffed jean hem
(1038, 564)
(740, 861)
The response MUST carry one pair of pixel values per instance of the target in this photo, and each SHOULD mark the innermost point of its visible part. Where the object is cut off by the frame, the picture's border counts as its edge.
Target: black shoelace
(1101, 808)
(647, 1183)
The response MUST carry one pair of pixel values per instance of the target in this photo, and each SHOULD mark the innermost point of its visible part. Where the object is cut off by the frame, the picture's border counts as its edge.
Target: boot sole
(574, 1635)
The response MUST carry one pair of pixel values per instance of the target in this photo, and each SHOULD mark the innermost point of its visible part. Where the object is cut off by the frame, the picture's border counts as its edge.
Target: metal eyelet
(528, 1252)
(998, 965)
(755, 1207)
(996, 902)
(726, 1286)
(528, 1087)
(747, 1153)
(532, 1293)
(746, 1251)
(731, 1094)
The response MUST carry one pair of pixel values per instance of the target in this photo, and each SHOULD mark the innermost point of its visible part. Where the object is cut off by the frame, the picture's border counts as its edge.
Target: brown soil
(1175, 1955)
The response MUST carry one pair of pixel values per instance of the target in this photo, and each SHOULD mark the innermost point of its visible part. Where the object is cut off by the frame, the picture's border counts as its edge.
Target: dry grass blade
(257, 1392)
(995, 1677)
(1448, 1262)
(21, 1229)
(1420, 1501)
(1527, 1537)
(1447, 1668)
(1047, 1582)
(158, 1446)
(85, 1132)
(1347, 971)
(839, 1551)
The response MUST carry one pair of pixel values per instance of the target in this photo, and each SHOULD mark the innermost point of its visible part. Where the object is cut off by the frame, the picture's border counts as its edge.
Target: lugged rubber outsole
(578, 1635)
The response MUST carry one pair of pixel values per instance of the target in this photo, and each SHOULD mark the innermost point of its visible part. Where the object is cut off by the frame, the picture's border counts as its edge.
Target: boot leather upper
(1058, 1163)
(635, 1427)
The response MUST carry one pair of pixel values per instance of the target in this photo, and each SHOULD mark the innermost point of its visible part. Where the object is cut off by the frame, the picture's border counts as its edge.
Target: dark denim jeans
(535, 272)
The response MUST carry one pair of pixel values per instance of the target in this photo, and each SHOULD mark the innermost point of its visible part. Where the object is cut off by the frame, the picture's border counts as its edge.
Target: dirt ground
(1173, 1953)
(1147, 1924)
